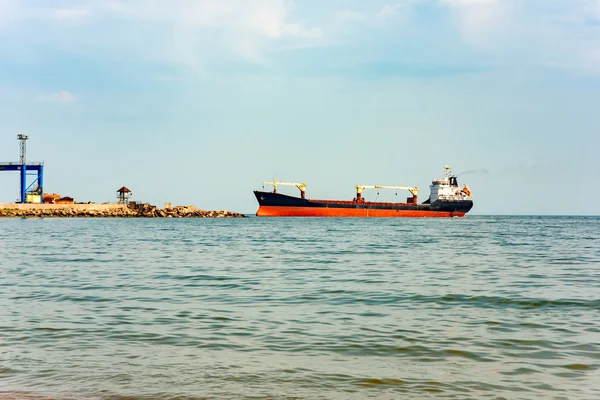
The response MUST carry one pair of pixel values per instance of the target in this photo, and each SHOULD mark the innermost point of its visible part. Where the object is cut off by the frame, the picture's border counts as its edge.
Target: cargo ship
(446, 199)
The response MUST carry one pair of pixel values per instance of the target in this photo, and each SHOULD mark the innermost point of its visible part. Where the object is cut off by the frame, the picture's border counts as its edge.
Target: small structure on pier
(65, 200)
(50, 198)
(123, 195)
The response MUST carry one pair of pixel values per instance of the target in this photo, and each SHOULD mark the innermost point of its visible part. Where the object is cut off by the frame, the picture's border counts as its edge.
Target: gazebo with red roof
(123, 195)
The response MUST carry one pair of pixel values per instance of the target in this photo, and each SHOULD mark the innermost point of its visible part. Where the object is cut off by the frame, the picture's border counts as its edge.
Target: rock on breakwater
(110, 211)
(150, 211)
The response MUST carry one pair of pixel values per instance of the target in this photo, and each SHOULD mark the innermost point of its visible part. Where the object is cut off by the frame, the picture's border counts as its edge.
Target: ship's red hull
(294, 211)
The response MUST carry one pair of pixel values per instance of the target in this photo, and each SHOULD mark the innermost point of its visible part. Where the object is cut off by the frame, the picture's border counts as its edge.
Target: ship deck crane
(300, 186)
(413, 190)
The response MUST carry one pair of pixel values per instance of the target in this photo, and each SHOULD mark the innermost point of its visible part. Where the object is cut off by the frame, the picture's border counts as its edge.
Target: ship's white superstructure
(448, 189)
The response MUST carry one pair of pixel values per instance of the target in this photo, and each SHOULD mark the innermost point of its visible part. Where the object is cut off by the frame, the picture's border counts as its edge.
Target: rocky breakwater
(131, 211)
(150, 211)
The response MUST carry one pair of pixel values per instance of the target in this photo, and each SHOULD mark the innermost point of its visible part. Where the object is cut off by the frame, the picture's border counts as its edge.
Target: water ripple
(481, 307)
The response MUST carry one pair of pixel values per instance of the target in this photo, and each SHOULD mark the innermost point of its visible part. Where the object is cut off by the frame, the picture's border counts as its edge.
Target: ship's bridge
(448, 189)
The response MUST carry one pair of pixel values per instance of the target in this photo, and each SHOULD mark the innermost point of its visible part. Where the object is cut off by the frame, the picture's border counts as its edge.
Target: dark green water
(474, 308)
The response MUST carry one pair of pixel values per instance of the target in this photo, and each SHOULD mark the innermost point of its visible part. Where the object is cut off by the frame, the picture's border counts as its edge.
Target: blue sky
(198, 102)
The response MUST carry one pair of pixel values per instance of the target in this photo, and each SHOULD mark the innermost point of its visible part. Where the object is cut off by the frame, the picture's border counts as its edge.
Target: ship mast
(447, 171)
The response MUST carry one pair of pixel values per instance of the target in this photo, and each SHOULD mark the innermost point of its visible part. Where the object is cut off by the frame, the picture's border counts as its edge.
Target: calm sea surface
(473, 308)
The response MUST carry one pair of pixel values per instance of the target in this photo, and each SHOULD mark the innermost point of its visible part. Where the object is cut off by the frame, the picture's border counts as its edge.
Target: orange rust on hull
(280, 211)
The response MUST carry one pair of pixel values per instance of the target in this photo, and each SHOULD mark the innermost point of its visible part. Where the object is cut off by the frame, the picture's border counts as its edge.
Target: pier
(131, 210)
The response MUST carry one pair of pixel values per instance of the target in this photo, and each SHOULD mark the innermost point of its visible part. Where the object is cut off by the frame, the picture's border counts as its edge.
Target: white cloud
(390, 9)
(244, 28)
(479, 19)
(70, 13)
(348, 15)
(299, 31)
(268, 18)
(547, 33)
(7, 11)
(469, 2)
(203, 33)
(387, 10)
(62, 97)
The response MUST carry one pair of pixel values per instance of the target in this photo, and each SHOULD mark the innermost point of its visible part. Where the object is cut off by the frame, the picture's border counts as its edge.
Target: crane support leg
(23, 182)
(41, 182)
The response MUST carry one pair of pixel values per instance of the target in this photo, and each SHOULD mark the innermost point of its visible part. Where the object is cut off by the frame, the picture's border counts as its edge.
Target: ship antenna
(447, 170)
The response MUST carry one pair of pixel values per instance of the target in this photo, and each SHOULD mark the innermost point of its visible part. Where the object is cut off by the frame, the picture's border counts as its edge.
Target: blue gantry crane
(29, 193)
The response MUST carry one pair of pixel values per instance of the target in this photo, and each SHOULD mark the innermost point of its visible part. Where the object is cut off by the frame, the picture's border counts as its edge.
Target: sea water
(291, 308)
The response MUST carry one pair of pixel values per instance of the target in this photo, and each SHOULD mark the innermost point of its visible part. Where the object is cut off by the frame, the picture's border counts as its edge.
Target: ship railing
(381, 203)
(454, 197)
